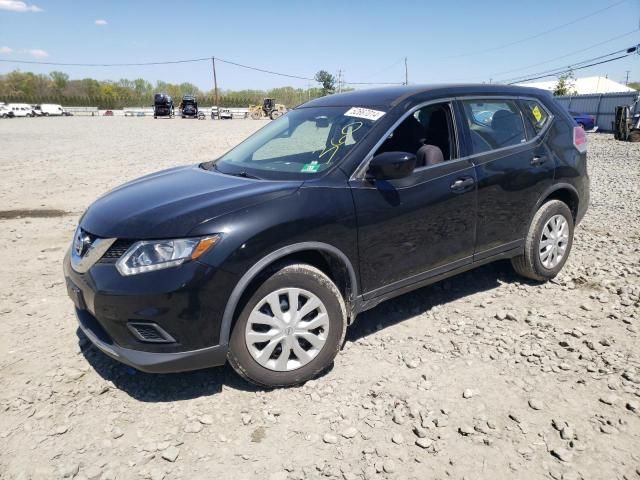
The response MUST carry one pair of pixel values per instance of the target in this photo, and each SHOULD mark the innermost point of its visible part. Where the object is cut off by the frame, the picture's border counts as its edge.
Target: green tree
(59, 80)
(565, 85)
(327, 80)
(634, 85)
(141, 86)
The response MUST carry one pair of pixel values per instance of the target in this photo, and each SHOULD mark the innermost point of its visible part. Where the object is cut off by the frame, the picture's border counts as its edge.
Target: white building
(585, 85)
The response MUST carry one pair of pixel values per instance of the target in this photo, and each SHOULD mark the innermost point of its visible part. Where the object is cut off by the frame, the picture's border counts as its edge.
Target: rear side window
(494, 124)
(536, 114)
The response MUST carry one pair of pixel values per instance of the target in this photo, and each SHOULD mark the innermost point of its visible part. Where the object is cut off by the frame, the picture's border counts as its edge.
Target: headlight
(147, 256)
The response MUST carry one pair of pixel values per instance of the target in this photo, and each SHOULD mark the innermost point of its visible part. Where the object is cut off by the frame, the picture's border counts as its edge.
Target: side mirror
(391, 165)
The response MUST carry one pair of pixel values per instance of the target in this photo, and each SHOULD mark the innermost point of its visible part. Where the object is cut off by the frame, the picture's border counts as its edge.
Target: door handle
(538, 160)
(462, 184)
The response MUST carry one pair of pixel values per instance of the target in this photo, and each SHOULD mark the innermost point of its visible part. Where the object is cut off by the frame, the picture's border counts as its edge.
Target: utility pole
(339, 81)
(406, 72)
(215, 84)
(627, 80)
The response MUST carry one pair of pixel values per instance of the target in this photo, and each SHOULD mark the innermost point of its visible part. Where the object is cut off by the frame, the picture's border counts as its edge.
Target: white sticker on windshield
(365, 113)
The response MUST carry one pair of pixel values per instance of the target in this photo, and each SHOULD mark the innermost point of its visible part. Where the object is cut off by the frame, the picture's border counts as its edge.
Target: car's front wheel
(548, 242)
(290, 329)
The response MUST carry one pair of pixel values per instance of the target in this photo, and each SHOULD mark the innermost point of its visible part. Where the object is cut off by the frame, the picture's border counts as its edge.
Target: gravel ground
(480, 376)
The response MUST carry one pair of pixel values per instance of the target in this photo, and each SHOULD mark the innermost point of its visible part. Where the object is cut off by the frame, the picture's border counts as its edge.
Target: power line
(566, 55)
(166, 62)
(265, 71)
(579, 66)
(389, 67)
(568, 70)
(538, 35)
(190, 60)
(142, 64)
(568, 67)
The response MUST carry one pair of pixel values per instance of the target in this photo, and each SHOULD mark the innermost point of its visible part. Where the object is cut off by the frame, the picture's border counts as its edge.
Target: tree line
(57, 87)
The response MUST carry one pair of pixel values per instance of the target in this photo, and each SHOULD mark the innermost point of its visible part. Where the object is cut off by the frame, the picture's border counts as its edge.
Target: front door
(424, 224)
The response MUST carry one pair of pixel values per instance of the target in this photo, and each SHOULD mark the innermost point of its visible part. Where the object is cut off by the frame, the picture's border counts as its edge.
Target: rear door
(513, 167)
(412, 228)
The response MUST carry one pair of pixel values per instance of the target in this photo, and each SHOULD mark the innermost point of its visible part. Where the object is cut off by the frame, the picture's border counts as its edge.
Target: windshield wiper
(214, 166)
(244, 174)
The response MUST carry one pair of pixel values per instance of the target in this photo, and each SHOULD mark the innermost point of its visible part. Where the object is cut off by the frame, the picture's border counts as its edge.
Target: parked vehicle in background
(214, 113)
(189, 107)
(108, 113)
(588, 122)
(21, 110)
(6, 112)
(52, 109)
(268, 109)
(37, 110)
(626, 124)
(66, 113)
(225, 114)
(265, 255)
(163, 106)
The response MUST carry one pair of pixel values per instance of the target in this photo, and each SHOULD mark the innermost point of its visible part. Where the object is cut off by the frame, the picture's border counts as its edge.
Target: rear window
(536, 114)
(494, 124)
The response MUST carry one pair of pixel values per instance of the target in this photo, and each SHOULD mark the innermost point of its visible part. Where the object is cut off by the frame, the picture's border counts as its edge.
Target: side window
(428, 134)
(494, 124)
(536, 114)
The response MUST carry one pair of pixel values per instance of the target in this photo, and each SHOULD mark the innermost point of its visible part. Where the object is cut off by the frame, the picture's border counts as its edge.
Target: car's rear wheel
(548, 242)
(290, 329)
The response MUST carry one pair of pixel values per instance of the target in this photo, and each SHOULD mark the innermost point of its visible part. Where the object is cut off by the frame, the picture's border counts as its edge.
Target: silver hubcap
(287, 329)
(554, 241)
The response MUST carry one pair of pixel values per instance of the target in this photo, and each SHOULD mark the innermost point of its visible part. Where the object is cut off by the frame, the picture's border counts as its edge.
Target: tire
(530, 264)
(310, 283)
(256, 115)
(634, 136)
(275, 114)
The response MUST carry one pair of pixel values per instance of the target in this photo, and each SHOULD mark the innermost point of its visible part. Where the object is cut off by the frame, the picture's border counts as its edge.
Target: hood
(171, 203)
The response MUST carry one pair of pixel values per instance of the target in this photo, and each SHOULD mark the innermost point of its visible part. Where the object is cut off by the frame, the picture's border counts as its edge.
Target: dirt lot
(479, 377)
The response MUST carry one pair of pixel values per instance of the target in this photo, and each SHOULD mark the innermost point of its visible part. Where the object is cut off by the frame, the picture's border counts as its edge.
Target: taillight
(580, 139)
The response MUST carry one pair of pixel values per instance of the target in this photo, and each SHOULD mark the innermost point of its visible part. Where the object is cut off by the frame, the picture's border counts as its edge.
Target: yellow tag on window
(536, 113)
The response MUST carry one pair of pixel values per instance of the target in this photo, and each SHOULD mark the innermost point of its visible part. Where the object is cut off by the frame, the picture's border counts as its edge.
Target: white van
(51, 109)
(5, 112)
(21, 110)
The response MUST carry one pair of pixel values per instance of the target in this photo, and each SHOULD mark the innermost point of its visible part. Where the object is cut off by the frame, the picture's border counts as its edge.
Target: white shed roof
(585, 85)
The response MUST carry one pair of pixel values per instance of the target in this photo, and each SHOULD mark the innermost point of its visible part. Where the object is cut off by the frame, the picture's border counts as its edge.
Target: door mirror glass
(391, 165)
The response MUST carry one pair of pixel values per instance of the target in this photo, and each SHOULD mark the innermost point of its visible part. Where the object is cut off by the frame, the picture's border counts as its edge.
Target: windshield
(300, 144)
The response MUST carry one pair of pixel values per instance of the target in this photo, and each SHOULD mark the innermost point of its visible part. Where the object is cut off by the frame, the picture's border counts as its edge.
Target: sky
(455, 41)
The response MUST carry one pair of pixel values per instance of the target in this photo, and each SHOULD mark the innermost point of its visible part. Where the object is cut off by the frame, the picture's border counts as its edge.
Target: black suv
(162, 106)
(189, 107)
(265, 255)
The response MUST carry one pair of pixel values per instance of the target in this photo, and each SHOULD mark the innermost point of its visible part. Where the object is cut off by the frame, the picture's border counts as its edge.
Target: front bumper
(187, 302)
(150, 362)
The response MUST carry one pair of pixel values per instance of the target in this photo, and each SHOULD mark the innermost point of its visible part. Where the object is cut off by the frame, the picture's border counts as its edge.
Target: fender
(554, 188)
(245, 280)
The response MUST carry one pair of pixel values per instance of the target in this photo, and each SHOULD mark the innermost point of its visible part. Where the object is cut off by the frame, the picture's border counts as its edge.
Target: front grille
(149, 332)
(116, 251)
